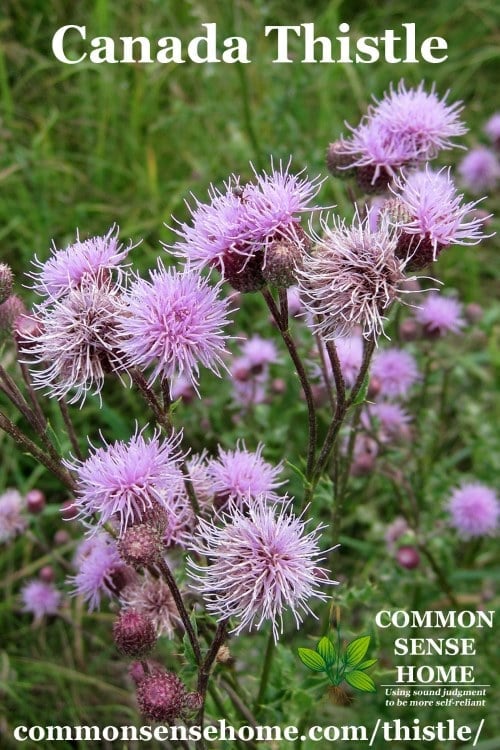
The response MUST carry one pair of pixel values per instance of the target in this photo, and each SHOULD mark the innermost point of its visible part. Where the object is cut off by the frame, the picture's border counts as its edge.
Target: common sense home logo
(340, 664)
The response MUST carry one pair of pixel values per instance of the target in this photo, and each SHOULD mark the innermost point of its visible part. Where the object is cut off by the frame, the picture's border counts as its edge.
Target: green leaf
(360, 681)
(356, 650)
(312, 659)
(363, 391)
(326, 650)
(366, 664)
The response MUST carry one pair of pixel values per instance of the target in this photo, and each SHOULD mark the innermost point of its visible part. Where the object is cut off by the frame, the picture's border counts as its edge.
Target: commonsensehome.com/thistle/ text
(389, 731)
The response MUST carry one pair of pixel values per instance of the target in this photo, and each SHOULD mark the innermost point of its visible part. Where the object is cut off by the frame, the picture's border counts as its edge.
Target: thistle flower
(40, 599)
(398, 528)
(440, 315)
(261, 563)
(133, 633)
(10, 311)
(127, 482)
(12, 520)
(77, 341)
(162, 696)
(437, 217)
(241, 474)
(479, 169)
(101, 572)
(474, 510)
(392, 418)
(151, 597)
(259, 353)
(6, 280)
(492, 128)
(397, 371)
(173, 324)
(88, 260)
(350, 354)
(351, 278)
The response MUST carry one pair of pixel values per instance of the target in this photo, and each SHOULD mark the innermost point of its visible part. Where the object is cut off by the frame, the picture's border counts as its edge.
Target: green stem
(266, 670)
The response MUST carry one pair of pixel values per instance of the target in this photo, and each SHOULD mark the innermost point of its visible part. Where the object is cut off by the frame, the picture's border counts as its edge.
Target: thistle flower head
(439, 217)
(76, 342)
(492, 128)
(10, 311)
(351, 278)
(479, 169)
(40, 599)
(440, 315)
(397, 371)
(393, 420)
(259, 353)
(241, 474)
(12, 520)
(126, 482)
(101, 572)
(262, 562)
(162, 696)
(133, 633)
(474, 510)
(350, 354)
(173, 324)
(88, 260)
(151, 597)
(6, 280)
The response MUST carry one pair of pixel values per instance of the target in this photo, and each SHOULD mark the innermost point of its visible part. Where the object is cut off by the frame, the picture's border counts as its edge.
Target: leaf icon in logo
(366, 664)
(326, 649)
(312, 659)
(360, 681)
(356, 650)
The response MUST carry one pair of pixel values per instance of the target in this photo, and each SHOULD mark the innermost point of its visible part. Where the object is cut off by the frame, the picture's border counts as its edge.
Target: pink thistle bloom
(351, 278)
(262, 562)
(397, 371)
(350, 354)
(251, 392)
(218, 228)
(492, 128)
(474, 510)
(152, 597)
(87, 260)
(12, 520)
(100, 572)
(392, 418)
(440, 315)
(40, 599)
(76, 342)
(259, 353)
(479, 169)
(295, 305)
(174, 324)
(127, 482)
(421, 118)
(240, 474)
(437, 214)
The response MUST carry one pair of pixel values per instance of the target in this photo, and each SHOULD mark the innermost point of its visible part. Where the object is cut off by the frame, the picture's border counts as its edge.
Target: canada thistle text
(72, 44)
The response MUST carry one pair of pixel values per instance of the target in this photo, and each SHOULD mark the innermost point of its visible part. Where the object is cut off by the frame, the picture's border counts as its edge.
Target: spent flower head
(12, 518)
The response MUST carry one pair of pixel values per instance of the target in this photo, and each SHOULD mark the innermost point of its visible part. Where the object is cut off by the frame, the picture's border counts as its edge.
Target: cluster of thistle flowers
(480, 168)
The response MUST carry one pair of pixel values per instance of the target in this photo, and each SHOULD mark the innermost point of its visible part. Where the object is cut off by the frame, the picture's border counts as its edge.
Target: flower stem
(266, 670)
(183, 613)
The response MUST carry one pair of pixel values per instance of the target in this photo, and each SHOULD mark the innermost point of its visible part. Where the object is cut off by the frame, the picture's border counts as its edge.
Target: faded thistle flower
(151, 596)
(12, 518)
(262, 563)
(474, 510)
(76, 342)
(127, 483)
(40, 599)
(351, 278)
(173, 324)
(6, 280)
(91, 260)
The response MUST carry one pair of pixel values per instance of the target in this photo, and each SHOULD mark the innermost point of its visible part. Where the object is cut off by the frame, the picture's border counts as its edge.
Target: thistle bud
(47, 574)
(141, 545)
(6, 279)
(9, 312)
(61, 538)
(244, 273)
(365, 179)
(283, 258)
(162, 697)
(337, 161)
(69, 510)
(35, 501)
(134, 633)
(473, 312)
(408, 557)
(25, 328)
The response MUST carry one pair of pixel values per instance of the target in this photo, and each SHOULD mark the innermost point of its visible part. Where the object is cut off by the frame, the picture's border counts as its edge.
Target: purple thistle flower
(259, 353)
(421, 118)
(440, 315)
(173, 324)
(40, 599)
(127, 482)
(351, 278)
(479, 169)
(152, 597)
(262, 563)
(249, 392)
(12, 520)
(474, 510)
(437, 215)
(350, 354)
(101, 572)
(393, 420)
(76, 342)
(87, 260)
(492, 128)
(240, 474)
(396, 370)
